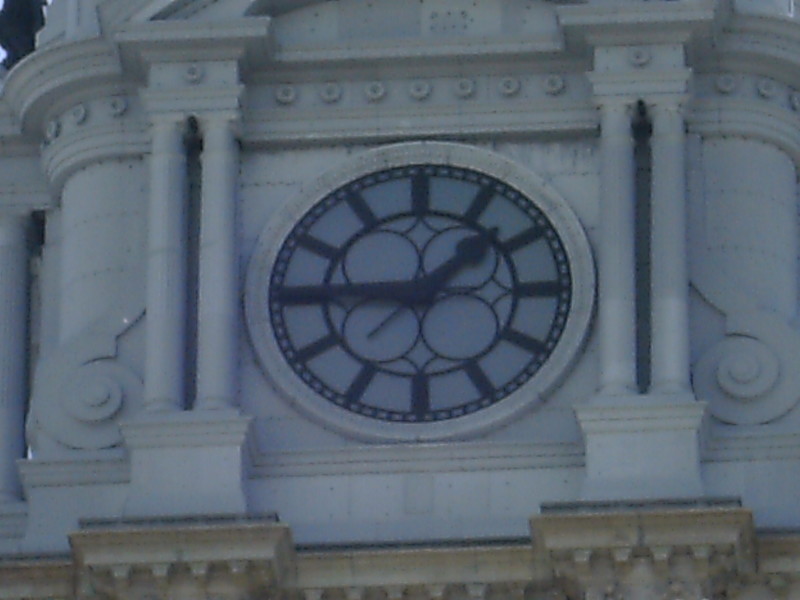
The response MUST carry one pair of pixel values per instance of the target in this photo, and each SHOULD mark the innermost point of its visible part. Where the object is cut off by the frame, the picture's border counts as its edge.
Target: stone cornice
(13, 518)
(651, 530)
(246, 40)
(766, 46)
(656, 552)
(49, 80)
(161, 546)
(408, 567)
(271, 128)
(36, 578)
(609, 24)
(187, 429)
(752, 446)
(749, 119)
(507, 47)
(421, 458)
(779, 552)
(694, 552)
(104, 469)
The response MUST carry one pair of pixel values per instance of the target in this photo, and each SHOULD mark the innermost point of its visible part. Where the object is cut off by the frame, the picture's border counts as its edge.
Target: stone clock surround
(456, 155)
(139, 103)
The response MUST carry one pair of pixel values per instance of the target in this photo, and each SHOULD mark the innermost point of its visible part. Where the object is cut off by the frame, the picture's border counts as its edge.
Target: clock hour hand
(468, 251)
(398, 291)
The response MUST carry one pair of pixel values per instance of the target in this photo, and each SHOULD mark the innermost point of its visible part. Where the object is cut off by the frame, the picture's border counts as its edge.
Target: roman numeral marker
(478, 378)
(361, 209)
(523, 341)
(360, 384)
(318, 247)
(523, 239)
(316, 348)
(420, 194)
(533, 289)
(420, 395)
(479, 203)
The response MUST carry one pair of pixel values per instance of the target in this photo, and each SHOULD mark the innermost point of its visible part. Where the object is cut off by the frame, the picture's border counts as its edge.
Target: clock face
(419, 293)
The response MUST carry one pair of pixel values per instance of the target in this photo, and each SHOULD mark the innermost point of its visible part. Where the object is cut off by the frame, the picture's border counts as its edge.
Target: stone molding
(37, 578)
(601, 23)
(169, 449)
(669, 553)
(13, 518)
(590, 552)
(57, 77)
(420, 459)
(218, 558)
(103, 467)
(244, 40)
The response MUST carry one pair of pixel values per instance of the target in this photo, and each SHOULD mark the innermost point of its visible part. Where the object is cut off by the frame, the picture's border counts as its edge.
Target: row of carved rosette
(687, 554)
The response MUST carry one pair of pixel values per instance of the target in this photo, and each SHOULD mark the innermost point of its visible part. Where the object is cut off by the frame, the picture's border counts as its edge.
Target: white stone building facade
(401, 299)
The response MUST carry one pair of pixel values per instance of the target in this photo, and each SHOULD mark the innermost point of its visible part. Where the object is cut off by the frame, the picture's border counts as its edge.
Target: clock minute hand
(468, 251)
(398, 291)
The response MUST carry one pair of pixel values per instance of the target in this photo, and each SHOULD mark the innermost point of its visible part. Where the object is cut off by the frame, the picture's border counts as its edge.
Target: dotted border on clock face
(336, 197)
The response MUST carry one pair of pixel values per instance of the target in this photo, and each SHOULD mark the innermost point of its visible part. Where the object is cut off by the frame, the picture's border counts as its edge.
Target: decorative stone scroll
(743, 263)
(82, 391)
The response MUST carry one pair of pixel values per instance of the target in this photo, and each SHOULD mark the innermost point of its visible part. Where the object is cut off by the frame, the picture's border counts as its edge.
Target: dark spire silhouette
(19, 22)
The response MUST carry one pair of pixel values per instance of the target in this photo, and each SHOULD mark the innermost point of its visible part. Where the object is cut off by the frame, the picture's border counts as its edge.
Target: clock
(423, 296)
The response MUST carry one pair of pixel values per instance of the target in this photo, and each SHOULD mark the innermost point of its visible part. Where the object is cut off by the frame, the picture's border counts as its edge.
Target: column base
(642, 446)
(186, 463)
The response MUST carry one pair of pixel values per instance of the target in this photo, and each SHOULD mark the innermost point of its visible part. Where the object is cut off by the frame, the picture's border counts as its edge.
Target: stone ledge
(242, 553)
(691, 553)
(696, 551)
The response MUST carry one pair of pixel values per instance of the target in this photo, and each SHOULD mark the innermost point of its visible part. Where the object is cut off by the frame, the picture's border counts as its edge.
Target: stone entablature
(281, 92)
(649, 553)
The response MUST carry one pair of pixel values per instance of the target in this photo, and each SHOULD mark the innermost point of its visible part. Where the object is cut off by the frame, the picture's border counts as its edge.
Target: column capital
(613, 103)
(220, 121)
(669, 121)
(167, 131)
(166, 118)
(616, 119)
(666, 105)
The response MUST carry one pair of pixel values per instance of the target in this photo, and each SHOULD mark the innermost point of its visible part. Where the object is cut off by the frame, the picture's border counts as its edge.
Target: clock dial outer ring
(327, 414)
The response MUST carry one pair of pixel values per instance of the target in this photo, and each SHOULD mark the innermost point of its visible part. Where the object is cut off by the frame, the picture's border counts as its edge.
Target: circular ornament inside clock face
(420, 294)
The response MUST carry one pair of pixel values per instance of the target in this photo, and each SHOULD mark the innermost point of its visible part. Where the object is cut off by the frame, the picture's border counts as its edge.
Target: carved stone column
(13, 350)
(166, 268)
(617, 269)
(641, 443)
(670, 280)
(218, 307)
